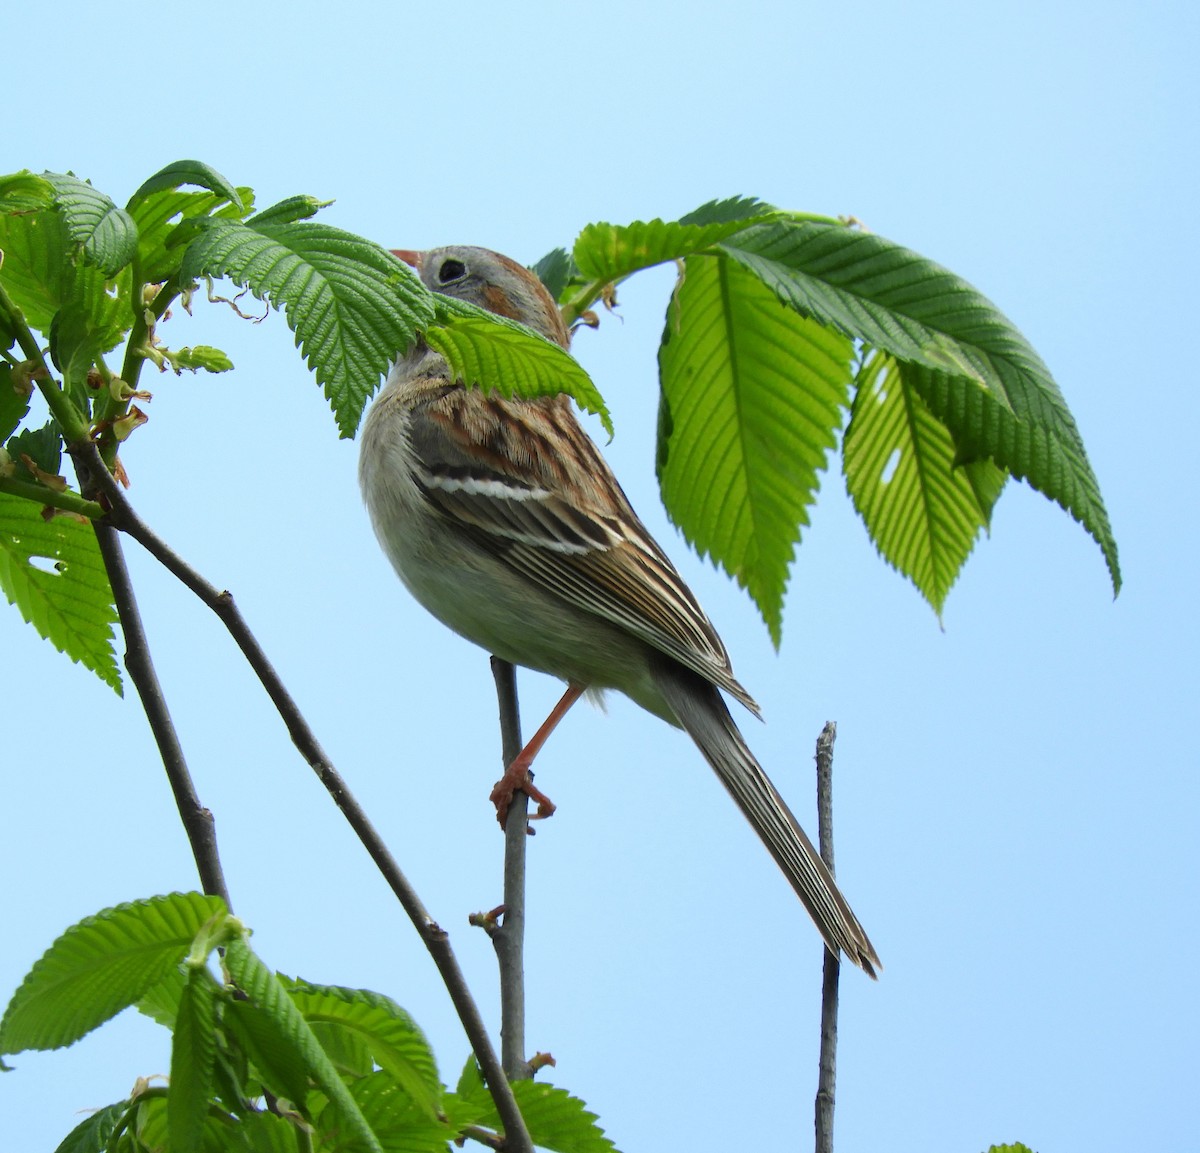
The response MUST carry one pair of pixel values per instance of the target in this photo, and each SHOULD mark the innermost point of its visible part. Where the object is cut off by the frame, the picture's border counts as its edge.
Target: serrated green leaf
(267, 992)
(161, 1000)
(922, 512)
(555, 270)
(352, 305)
(14, 402)
(103, 234)
(555, 1119)
(732, 208)
(752, 396)
(193, 172)
(289, 211)
(972, 367)
(279, 1063)
(500, 355)
(92, 1134)
(41, 278)
(99, 966)
(1014, 1148)
(220, 1133)
(42, 445)
(401, 1125)
(610, 252)
(159, 217)
(391, 1036)
(193, 1055)
(1049, 457)
(202, 356)
(24, 191)
(71, 605)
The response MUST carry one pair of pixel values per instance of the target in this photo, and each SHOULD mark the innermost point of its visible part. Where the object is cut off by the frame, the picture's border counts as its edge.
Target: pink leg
(517, 776)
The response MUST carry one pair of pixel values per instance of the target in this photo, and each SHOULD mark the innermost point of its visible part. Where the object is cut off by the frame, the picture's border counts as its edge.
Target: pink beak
(408, 256)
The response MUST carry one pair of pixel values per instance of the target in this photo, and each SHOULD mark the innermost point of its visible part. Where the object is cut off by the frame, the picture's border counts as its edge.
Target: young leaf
(610, 252)
(193, 1054)
(267, 992)
(24, 191)
(201, 356)
(99, 966)
(352, 305)
(103, 234)
(14, 402)
(555, 270)
(40, 278)
(392, 1038)
(192, 172)
(70, 602)
(752, 396)
(93, 1133)
(923, 512)
(159, 217)
(500, 354)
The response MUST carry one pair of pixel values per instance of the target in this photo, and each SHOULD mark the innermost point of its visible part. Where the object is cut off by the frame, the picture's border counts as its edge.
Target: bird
(505, 522)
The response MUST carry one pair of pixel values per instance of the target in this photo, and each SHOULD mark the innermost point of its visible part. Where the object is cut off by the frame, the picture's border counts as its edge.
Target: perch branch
(508, 938)
(827, 1074)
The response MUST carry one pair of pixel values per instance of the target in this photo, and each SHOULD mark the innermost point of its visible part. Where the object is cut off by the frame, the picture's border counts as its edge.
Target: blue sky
(1016, 793)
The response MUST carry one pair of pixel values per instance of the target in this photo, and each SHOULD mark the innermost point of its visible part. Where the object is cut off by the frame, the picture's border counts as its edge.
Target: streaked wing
(527, 482)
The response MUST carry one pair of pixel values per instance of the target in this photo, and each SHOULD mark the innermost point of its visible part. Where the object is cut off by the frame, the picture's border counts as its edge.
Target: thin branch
(508, 938)
(198, 822)
(827, 1075)
(434, 937)
(67, 500)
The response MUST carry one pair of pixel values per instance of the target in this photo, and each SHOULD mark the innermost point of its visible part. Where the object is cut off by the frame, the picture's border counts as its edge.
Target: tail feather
(701, 711)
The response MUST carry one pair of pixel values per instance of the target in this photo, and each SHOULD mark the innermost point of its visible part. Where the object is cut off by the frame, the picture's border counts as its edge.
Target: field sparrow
(504, 521)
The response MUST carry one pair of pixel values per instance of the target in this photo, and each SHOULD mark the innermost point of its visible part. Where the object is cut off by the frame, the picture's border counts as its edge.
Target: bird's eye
(451, 271)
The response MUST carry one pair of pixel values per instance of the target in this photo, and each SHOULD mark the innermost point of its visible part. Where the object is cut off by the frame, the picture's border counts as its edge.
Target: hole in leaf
(889, 468)
(47, 564)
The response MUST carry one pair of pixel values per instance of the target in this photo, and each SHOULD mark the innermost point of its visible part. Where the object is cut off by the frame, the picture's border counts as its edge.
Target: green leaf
(923, 512)
(193, 172)
(267, 992)
(401, 1125)
(193, 1055)
(280, 1064)
(555, 1119)
(101, 965)
(973, 368)
(42, 445)
(392, 1038)
(161, 1000)
(556, 270)
(501, 355)
(92, 1134)
(14, 402)
(1015, 1148)
(161, 218)
(41, 278)
(201, 356)
(752, 396)
(24, 192)
(610, 252)
(103, 234)
(352, 305)
(1048, 455)
(71, 602)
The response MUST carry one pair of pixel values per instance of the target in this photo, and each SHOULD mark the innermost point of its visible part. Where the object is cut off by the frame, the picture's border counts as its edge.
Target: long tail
(701, 711)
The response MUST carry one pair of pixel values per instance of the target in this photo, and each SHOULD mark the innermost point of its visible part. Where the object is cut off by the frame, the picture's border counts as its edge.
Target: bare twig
(827, 1075)
(198, 822)
(508, 938)
(434, 937)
